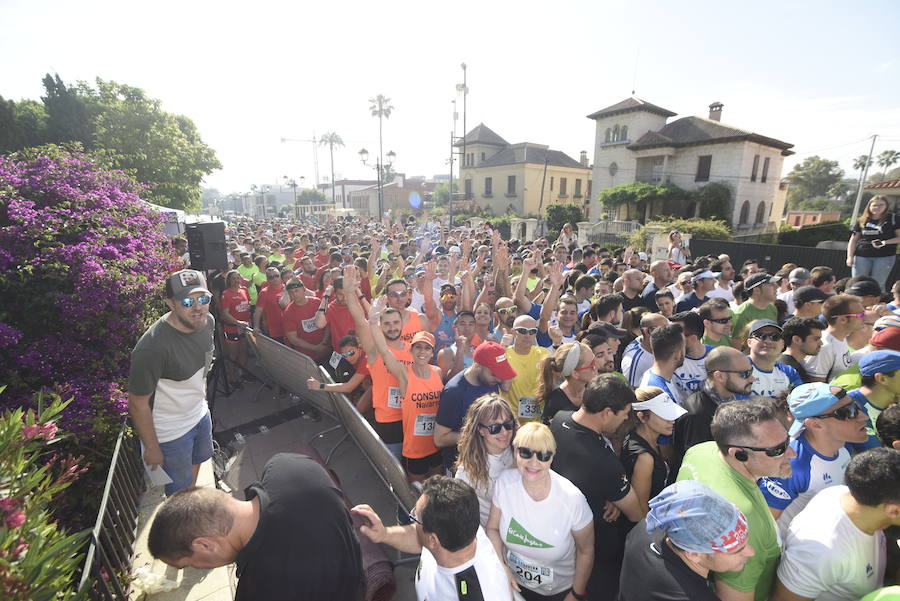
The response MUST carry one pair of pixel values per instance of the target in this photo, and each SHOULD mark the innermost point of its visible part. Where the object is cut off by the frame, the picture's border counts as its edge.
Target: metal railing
(111, 546)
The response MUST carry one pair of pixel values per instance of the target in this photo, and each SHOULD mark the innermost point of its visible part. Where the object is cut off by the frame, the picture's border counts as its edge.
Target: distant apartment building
(634, 141)
(401, 195)
(506, 178)
(804, 218)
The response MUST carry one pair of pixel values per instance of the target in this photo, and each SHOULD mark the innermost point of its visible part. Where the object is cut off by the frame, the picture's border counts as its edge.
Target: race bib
(309, 325)
(335, 360)
(424, 425)
(529, 573)
(394, 398)
(529, 407)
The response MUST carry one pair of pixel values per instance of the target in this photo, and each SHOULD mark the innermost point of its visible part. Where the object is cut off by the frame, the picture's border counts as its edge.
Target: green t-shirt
(703, 463)
(249, 273)
(849, 379)
(723, 341)
(746, 313)
(888, 593)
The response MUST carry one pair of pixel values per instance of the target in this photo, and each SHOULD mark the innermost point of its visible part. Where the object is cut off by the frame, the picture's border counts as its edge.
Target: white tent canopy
(174, 218)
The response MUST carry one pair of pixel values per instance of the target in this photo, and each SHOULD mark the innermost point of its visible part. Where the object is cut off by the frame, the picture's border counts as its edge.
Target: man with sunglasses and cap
(825, 420)
(703, 282)
(771, 379)
(167, 382)
(749, 443)
(690, 531)
(836, 547)
(880, 379)
(763, 290)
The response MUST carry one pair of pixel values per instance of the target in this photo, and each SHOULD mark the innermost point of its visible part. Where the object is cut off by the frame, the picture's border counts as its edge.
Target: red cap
(426, 337)
(888, 338)
(493, 356)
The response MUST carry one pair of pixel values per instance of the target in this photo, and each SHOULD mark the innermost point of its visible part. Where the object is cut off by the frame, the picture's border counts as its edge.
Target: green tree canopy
(811, 178)
(560, 214)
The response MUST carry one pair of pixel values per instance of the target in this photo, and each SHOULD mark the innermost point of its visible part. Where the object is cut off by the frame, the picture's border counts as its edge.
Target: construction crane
(315, 145)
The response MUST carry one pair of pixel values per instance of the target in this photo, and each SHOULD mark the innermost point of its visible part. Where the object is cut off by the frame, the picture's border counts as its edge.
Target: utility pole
(862, 182)
(465, 90)
(450, 189)
(541, 203)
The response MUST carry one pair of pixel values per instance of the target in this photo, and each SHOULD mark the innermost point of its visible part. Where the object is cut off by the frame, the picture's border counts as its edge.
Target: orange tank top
(412, 325)
(386, 397)
(420, 406)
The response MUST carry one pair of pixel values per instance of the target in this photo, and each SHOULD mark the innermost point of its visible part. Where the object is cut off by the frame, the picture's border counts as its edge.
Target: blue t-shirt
(868, 408)
(456, 397)
(688, 301)
(444, 334)
(775, 383)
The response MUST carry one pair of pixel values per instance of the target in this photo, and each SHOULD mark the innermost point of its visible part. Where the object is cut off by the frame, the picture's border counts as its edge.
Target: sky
(824, 76)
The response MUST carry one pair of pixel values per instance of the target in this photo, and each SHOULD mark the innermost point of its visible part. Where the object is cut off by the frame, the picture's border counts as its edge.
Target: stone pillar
(530, 227)
(475, 222)
(585, 229)
(515, 224)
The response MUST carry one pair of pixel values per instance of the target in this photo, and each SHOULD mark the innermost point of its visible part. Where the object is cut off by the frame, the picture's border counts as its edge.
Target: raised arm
(468, 291)
(520, 298)
(432, 314)
(557, 279)
(320, 314)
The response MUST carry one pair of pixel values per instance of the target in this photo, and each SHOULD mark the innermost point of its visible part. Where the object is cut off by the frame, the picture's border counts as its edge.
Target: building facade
(506, 178)
(803, 218)
(634, 141)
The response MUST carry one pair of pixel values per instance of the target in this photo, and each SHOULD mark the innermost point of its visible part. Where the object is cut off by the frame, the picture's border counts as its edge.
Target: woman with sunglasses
(540, 523)
(574, 363)
(484, 447)
(652, 416)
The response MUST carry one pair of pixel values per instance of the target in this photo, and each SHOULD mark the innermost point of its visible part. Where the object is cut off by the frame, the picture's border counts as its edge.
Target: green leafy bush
(812, 235)
(704, 229)
(560, 214)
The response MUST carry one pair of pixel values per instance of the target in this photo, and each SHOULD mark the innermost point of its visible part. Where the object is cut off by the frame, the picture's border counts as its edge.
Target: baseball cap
(879, 362)
(808, 400)
(888, 338)
(642, 256)
(704, 275)
(760, 324)
(493, 356)
(758, 279)
(609, 330)
(801, 274)
(888, 321)
(808, 294)
(864, 288)
(697, 519)
(426, 337)
(185, 282)
(662, 406)
(456, 250)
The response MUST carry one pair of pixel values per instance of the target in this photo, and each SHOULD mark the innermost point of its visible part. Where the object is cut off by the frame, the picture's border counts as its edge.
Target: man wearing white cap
(167, 382)
(798, 278)
(703, 282)
(825, 419)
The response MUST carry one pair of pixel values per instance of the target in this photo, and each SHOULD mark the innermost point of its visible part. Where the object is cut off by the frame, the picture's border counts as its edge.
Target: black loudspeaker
(206, 245)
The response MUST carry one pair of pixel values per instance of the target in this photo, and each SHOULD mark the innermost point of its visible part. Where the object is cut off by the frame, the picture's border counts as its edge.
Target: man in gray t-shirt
(167, 382)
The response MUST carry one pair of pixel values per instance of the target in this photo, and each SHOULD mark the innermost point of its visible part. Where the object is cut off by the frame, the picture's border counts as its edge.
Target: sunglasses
(526, 331)
(412, 516)
(542, 456)
(189, 302)
(495, 428)
(860, 315)
(842, 413)
(774, 337)
(722, 320)
(744, 373)
(776, 451)
(397, 294)
(347, 354)
(585, 367)
(507, 310)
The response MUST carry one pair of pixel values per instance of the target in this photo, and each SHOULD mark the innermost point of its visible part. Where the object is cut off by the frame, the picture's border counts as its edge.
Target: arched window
(608, 135)
(615, 137)
(623, 134)
(745, 213)
(761, 212)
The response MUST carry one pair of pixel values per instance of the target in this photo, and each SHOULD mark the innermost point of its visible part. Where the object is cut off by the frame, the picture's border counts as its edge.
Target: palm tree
(331, 139)
(886, 160)
(381, 108)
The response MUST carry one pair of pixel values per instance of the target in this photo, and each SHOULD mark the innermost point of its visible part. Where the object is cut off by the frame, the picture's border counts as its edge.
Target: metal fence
(110, 549)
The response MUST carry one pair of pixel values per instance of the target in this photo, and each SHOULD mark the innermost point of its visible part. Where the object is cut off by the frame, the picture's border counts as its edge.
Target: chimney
(583, 160)
(715, 111)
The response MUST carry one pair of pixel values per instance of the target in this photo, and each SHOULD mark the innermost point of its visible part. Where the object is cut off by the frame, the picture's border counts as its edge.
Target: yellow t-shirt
(522, 395)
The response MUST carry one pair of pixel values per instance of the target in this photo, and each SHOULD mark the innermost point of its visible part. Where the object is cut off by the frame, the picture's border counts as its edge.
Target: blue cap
(809, 400)
(697, 519)
(879, 362)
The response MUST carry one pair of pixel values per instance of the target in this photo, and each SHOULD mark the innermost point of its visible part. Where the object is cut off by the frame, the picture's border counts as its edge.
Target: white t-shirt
(690, 376)
(833, 358)
(776, 383)
(537, 535)
(826, 557)
(635, 361)
(788, 298)
(719, 292)
(496, 464)
(436, 583)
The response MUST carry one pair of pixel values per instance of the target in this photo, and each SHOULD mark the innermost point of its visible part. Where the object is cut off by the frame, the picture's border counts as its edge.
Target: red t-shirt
(301, 320)
(319, 259)
(268, 302)
(237, 304)
(310, 281)
(340, 321)
(365, 286)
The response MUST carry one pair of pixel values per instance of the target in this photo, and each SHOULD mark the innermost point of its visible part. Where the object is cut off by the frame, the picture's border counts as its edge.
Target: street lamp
(292, 183)
(391, 157)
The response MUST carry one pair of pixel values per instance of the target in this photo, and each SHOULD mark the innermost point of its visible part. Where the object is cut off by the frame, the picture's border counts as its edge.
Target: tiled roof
(482, 134)
(526, 152)
(630, 105)
(689, 131)
(890, 184)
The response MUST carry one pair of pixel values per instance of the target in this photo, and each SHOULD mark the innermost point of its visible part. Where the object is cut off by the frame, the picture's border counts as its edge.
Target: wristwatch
(321, 385)
(580, 597)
